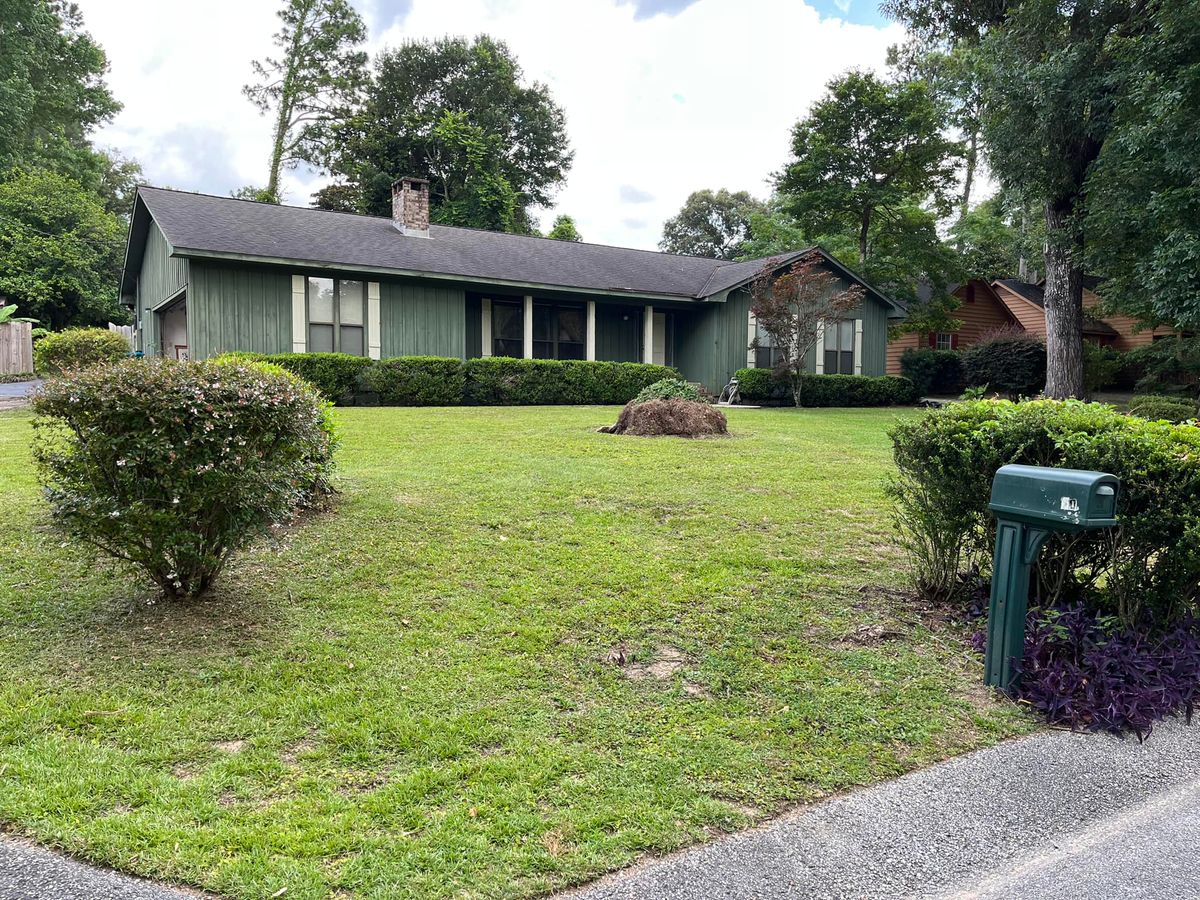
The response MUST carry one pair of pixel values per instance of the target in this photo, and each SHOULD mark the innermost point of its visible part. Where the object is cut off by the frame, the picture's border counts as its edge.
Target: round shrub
(932, 371)
(1148, 571)
(668, 389)
(1013, 364)
(174, 466)
(1160, 408)
(681, 418)
(76, 348)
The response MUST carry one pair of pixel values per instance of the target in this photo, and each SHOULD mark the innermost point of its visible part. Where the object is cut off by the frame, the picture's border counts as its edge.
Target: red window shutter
(933, 339)
(954, 341)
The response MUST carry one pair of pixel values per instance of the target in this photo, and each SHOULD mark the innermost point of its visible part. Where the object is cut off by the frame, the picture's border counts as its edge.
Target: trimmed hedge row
(763, 387)
(442, 381)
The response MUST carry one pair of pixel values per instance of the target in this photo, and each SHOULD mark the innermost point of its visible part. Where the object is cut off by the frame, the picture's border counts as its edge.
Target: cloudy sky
(662, 97)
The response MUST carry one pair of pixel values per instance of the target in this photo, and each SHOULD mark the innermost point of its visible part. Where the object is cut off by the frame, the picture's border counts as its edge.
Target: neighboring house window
(945, 341)
(839, 347)
(766, 354)
(337, 316)
(508, 329)
(559, 332)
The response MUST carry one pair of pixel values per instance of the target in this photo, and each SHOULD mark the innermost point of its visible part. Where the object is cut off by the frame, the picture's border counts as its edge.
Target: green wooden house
(209, 274)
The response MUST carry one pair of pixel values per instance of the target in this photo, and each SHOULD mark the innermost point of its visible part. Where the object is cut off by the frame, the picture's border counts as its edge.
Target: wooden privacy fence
(126, 331)
(16, 347)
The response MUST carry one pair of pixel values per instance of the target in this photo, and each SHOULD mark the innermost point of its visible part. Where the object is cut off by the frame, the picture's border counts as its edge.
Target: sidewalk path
(1051, 815)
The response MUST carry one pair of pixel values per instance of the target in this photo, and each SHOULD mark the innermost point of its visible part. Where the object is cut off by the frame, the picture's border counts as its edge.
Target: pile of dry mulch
(684, 418)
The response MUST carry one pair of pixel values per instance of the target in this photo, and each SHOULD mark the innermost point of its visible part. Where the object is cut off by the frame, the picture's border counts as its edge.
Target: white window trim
(486, 326)
(858, 343)
(527, 332)
(374, 344)
(751, 336)
(590, 339)
(299, 314)
(648, 335)
(819, 350)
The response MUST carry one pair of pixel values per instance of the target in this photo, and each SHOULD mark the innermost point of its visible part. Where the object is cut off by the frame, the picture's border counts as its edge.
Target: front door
(660, 339)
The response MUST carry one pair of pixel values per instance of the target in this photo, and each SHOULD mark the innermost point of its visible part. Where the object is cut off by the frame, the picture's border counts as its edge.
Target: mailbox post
(1030, 503)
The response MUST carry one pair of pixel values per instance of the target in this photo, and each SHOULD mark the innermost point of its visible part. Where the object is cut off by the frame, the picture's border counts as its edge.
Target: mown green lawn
(411, 696)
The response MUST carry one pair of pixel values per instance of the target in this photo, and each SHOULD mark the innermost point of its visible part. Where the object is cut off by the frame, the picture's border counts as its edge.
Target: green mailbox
(1030, 503)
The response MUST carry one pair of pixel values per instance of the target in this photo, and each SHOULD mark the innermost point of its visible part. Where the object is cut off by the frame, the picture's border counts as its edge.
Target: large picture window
(558, 331)
(839, 347)
(337, 316)
(766, 354)
(508, 329)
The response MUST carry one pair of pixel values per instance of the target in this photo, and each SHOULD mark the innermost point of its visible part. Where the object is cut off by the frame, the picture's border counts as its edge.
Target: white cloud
(658, 104)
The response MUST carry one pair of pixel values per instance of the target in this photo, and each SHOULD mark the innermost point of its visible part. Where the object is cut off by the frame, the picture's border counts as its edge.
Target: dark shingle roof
(1033, 293)
(224, 225)
(201, 224)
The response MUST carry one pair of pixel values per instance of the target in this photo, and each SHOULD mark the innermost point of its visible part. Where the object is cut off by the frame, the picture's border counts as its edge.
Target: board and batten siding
(710, 341)
(417, 319)
(246, 309)
(161, 276)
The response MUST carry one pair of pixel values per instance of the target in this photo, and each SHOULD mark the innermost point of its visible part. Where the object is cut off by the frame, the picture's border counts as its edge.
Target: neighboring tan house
(1027, 303)
(980, 310)
(210, 274)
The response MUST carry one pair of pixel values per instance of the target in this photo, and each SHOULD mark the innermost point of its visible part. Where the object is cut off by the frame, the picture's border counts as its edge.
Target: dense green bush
(414, 381)
(173, 466)
(933, 371)
(1159, 407)
(1169, 365)
(668, 389)
(502, 381)
(335, 375)
(763, 387)
(76, 348)
(1102, 367)
(1149, 568)
(1012, 363)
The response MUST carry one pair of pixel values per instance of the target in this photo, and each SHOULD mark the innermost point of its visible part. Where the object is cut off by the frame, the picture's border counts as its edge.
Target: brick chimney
(410, 206)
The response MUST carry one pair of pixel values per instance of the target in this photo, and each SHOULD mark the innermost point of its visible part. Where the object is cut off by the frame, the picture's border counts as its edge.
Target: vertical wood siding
(618, 340)
(239, 309)
(422, 320)
(161, 276)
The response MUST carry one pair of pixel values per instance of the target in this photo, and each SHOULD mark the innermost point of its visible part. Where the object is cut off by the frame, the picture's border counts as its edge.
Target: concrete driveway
(14, 395)
(1053, 815)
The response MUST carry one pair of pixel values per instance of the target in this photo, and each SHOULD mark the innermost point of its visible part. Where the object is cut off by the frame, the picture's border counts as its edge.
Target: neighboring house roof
(1032, 293)
(205, 226)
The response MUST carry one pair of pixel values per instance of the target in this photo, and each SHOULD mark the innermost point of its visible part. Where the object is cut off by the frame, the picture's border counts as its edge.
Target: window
(558, 331)
(839, 347)
(766, 354)
(337, 316)
(508, 329)
(944, 341)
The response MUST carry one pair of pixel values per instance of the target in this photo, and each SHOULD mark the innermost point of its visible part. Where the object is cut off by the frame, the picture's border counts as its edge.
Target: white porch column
(485, 328)
(590, 340)
(819, 350)
(527, 338)
(648, 335)
(374, 339)
(751, 334)
(858, 334)
(299, 315)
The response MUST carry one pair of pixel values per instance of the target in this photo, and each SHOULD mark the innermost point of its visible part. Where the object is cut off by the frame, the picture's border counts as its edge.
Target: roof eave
(323, 265)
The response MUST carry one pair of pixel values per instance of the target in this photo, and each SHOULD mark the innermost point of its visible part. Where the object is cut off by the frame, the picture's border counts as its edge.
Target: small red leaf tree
(791, 302)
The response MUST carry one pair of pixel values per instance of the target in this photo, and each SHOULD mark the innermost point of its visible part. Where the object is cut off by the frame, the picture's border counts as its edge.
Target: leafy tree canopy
(60, 250)
(996, 235)
(716, 224)
(455, 111)
(866, 152)
(319, 70)
(564, 230)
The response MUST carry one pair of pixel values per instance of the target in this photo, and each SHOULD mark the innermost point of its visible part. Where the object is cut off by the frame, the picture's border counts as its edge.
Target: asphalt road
(17, 389)
(1053, 815)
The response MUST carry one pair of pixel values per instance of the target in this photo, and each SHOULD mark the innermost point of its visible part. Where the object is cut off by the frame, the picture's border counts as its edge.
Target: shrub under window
(174, 466)
(76, 348)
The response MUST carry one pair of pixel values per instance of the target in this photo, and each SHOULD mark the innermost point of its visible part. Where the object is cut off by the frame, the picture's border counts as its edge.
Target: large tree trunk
(969, 175)
(1064, 305)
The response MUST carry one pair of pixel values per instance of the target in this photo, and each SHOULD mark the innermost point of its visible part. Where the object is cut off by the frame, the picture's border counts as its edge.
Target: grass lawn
(412, 696)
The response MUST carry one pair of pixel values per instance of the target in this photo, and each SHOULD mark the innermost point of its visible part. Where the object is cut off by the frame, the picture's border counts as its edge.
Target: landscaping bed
(516, 655)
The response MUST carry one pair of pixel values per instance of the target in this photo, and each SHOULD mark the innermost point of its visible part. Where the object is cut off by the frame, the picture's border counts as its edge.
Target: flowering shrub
(174, 466)
(1086, 671)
